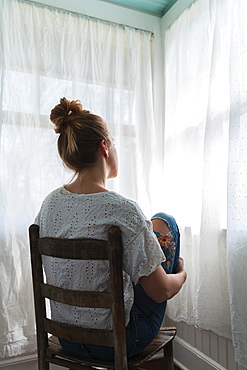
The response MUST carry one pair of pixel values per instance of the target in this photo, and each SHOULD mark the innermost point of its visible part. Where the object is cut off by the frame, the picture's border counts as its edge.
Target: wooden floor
(156, 365)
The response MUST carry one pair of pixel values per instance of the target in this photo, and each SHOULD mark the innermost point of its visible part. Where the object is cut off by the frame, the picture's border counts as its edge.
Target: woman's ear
(104, 148)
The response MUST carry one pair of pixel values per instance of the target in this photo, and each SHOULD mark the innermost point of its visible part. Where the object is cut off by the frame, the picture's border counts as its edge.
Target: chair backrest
(82, 249)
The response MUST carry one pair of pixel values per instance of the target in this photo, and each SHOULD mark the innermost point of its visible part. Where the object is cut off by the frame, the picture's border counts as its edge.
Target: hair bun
(65, 113)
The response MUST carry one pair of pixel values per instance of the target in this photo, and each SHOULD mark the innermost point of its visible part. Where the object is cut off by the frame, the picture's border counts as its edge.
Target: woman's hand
(161, 286)
(180, 266)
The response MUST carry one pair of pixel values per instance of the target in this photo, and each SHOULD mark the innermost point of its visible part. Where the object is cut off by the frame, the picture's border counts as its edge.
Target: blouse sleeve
(143, 254)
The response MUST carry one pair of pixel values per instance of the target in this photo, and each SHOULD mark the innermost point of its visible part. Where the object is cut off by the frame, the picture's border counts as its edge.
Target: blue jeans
(146, 315)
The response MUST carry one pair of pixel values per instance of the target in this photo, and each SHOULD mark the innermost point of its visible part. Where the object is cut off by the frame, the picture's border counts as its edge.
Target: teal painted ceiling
(156, 7)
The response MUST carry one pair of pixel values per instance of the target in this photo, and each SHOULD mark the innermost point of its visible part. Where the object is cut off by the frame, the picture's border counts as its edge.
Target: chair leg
(42, 364)
(168, 354)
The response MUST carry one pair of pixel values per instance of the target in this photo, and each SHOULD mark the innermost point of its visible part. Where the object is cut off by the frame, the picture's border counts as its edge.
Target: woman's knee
(160, 226)
(164, 223)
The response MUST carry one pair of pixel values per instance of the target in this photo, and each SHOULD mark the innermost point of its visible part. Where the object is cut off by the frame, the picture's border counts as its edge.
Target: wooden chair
(49, 349)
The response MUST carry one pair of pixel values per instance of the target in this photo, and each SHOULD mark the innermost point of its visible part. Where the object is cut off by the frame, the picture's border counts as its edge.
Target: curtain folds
(47, 54)
(205, 157)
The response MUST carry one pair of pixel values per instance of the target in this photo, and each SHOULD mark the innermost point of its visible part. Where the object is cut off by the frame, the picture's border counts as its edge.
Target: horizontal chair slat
(76, 297)
(73, 248)
(76, 334)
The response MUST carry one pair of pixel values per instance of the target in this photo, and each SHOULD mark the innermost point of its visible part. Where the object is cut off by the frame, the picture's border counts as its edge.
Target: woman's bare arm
(161, 286)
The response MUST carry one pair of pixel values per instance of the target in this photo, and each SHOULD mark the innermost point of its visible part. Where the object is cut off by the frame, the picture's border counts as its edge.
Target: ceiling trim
(169, 6)
(134, 8)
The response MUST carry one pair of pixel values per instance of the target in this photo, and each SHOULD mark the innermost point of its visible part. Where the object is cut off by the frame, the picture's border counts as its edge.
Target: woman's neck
(88, 182)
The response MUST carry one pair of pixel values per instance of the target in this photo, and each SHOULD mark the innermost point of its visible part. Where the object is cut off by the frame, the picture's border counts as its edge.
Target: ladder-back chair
(49, 349)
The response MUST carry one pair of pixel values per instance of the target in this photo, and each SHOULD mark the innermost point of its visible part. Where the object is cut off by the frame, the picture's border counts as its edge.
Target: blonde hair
(80, 134)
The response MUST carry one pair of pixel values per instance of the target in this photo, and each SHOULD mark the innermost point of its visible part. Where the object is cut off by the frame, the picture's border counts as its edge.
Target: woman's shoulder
(53, 194)
(124, 203)
(51, 199)
(127, 212)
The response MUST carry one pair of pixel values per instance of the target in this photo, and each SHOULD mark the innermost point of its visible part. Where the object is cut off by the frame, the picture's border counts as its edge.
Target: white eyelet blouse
(68, 215)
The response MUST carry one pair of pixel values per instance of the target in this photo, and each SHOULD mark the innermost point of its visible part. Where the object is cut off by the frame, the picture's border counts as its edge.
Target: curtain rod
(90, 17)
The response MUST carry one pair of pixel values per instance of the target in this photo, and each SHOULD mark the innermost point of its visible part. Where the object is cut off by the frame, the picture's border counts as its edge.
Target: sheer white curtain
(45, 55)
(205, 164)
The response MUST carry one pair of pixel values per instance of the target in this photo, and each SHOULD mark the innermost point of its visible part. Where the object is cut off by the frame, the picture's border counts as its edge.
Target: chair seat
(59, 356)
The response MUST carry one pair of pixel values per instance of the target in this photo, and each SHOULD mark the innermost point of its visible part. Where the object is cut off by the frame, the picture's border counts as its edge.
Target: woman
(85, 208)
